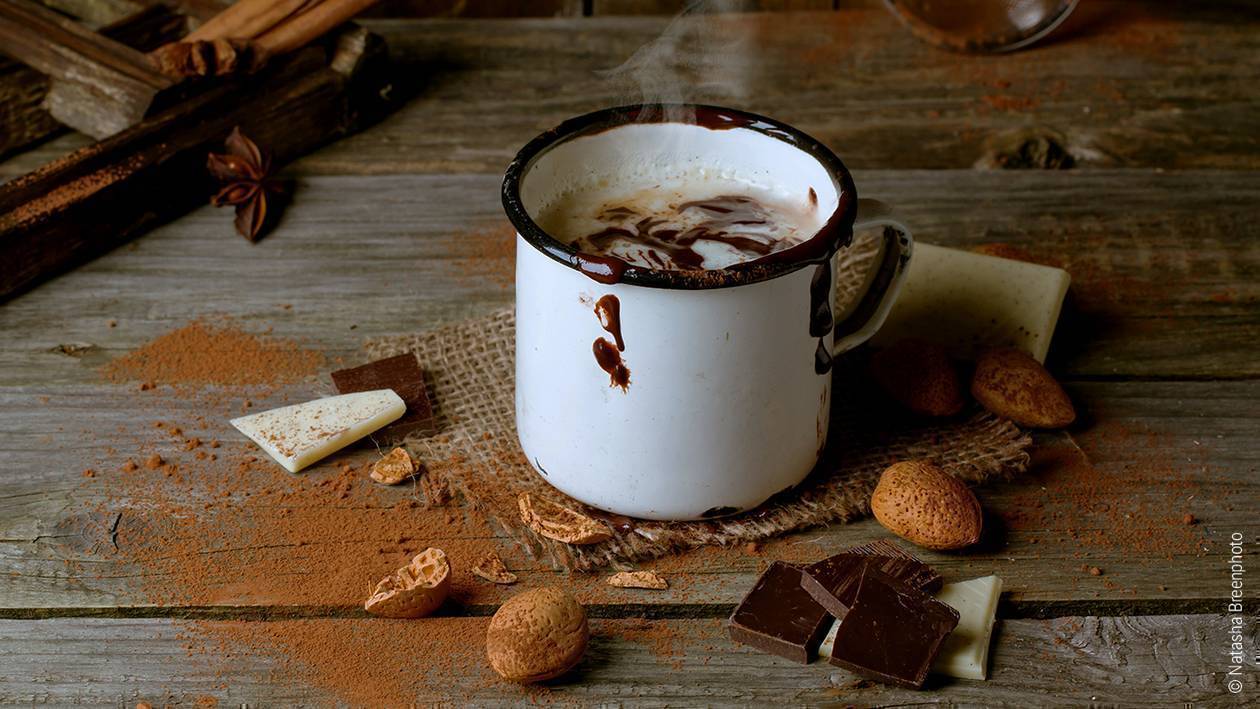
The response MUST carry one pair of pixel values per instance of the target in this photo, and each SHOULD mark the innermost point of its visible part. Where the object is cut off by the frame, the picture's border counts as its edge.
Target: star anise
(245, 171)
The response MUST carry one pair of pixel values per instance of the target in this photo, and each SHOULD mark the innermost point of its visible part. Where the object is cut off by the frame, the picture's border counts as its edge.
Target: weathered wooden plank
(1162, 88)
(1153, 256)
(854, 78)
(1149, 661)
(98, 85)
(94, 13)
(101, 196)
(23, 119)
(1159, 451)
(671, 7)
(477, 8)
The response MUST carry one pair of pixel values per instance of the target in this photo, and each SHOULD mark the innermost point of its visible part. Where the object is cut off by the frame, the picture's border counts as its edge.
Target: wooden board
(1149, 85)
(672, 7)
(25, 120)
(1166, 661)
(1152, 256)
(1161, 450)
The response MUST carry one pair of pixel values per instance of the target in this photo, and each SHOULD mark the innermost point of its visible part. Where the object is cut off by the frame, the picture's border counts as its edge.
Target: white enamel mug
(715, 393)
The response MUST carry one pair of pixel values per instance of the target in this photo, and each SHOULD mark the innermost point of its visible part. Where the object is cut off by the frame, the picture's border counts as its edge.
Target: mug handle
(883, 283)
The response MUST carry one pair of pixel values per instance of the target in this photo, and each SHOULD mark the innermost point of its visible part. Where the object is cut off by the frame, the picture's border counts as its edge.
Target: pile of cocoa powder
(215, 352)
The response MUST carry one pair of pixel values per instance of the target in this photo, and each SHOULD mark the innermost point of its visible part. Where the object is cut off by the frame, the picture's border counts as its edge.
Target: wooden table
(1158, 220)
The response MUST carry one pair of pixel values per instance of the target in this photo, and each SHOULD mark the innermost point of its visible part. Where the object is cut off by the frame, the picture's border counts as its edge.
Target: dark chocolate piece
(779, 617)
(926, 579)
(402, 374)
(833, 581)
(892, 632)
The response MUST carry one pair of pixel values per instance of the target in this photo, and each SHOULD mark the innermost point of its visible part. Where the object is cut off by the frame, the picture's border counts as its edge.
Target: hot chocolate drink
(698, 224)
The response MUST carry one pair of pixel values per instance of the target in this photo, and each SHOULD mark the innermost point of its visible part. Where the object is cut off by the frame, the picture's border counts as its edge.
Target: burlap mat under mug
(471, 373)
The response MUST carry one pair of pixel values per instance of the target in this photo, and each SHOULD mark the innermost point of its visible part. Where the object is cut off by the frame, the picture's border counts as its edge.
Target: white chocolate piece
(301, 434)
(965, 653)
(829, 642)
(965, 301)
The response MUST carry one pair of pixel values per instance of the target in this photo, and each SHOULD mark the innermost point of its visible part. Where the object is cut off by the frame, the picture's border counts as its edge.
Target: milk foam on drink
(697, 221)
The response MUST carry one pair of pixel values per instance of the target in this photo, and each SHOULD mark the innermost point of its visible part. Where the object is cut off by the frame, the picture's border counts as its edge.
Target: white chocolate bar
(965, 653)
(965, 301)
(301, 434)
(829, 642)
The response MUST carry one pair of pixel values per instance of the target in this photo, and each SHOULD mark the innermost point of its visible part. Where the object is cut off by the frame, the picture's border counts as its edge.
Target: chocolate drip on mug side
(822, 358)
(607, 354)
(608, 310)
(601, 269)
(821, 319)
(609, 359)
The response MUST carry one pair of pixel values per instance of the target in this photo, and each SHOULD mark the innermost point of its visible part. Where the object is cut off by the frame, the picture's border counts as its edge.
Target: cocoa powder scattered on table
(1137, 508)
(485, 255)
(227, 526)
(206, 352)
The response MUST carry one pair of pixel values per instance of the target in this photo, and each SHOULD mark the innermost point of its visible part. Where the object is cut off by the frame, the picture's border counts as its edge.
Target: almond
(415, 590)
(920, 376)
(921, 503)
(1013, 385)
(560, 523)
(638, 579)
(394, 468)
(537, 635)
(492, 569)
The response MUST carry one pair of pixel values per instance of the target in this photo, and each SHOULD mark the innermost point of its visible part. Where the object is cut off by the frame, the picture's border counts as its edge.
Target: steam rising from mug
(702, 55)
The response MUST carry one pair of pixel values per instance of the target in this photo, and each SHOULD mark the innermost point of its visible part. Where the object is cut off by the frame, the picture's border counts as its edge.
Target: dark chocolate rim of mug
(835, 234)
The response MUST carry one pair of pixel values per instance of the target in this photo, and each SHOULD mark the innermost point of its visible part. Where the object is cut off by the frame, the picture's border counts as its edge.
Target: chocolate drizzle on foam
(664, 240)
(817, 250)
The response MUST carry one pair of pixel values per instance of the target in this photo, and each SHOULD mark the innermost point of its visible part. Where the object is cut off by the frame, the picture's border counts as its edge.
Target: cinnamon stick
(216, 57)
(306, 26)
(248, 18)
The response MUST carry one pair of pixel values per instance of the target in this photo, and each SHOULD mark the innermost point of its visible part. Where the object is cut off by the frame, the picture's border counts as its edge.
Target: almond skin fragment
(492, 569)
(537, 635)
(920, 376)
(923, 504)
(638, 579)
(1013, 385)
(560, 523)
(394, 468)
(415, 590)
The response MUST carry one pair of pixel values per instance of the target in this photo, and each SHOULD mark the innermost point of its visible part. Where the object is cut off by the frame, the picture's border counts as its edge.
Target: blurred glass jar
(981, 25)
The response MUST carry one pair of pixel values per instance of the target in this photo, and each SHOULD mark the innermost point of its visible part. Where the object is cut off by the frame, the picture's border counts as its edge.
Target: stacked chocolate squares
(890, 628)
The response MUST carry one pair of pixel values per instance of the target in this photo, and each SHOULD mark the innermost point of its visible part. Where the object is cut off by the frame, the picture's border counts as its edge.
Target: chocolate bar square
(892, 632)
(779, 617)
(833, 581)
(925, 577)
(402, 374)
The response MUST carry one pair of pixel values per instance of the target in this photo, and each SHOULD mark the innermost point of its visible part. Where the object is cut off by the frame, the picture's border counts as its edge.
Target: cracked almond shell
(560, 523)
(394, 468)
(492, 569)
(638, 579)
(415, 590)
